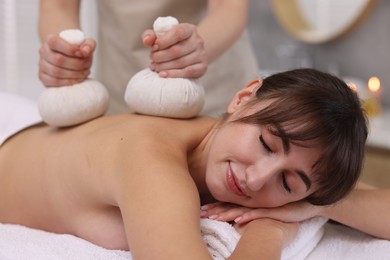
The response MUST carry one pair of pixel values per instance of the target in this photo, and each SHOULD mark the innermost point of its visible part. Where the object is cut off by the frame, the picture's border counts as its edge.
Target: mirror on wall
(318, 21)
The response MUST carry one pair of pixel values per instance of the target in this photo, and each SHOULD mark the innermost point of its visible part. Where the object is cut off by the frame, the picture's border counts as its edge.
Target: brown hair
(321, 110)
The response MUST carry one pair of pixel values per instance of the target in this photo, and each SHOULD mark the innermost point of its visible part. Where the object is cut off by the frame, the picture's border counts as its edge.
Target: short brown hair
(309, 105)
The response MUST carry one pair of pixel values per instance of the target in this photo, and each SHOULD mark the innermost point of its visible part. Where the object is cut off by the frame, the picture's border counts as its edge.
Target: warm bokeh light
(374, 84)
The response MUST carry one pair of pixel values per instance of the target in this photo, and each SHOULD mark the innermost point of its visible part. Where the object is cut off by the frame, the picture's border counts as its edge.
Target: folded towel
(20, 243)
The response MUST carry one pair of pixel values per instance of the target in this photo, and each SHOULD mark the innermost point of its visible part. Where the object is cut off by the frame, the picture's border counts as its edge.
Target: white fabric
(19, 243)
(309, 234)
(344, 243)
(338, 242)
(220, 237)
(16, 114)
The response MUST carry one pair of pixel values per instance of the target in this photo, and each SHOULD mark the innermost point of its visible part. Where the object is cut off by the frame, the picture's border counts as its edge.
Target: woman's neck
(197, 163)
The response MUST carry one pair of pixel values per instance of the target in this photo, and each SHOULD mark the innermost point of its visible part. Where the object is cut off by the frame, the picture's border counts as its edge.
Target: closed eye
(266, 147)
(285, 184)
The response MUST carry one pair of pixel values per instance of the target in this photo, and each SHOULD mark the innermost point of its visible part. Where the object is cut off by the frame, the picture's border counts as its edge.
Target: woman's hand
(292, 212)
(62, 63)
(179, 53)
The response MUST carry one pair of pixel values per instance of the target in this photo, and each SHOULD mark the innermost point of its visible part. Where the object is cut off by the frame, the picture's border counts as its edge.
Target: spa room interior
(347, 38)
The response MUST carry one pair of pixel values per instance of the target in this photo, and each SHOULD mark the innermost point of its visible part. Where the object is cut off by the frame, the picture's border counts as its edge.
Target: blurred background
(349, 38)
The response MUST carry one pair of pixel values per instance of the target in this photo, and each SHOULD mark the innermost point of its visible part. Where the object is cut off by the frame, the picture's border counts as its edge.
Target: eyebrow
(286, 150)
(286, 146)
(306, 180)
(285, 141)
(304, 177)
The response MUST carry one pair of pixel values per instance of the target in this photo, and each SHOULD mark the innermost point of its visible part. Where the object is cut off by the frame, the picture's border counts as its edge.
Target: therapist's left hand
(179, 53)
(62, 63)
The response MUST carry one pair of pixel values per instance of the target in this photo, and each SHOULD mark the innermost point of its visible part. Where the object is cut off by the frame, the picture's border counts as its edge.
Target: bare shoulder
(133, 146)
(151, 131)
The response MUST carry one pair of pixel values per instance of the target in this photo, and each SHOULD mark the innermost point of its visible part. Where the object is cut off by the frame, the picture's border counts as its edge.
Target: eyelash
(266, 147)
(285, 184)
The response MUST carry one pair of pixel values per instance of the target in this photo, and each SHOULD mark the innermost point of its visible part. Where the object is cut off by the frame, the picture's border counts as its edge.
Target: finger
(210, 205)
(50, 81)
(219, 205)
(88, 47)
(214, 208)
(174, 52)
(212, 211)
(281, 214)
(223, 212)
(184, 60)
(193, 46)
(66, 62)
(229, 215)
(193, 71)
(250, 215)
(57, 44)
(177, 34)
(148, 38)
(60, 73)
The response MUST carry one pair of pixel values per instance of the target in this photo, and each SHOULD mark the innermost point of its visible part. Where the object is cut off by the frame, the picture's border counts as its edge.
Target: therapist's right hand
(62, 63)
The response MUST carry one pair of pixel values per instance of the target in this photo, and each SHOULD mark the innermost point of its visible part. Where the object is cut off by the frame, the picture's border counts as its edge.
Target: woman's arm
(365, 209)
(62, 63)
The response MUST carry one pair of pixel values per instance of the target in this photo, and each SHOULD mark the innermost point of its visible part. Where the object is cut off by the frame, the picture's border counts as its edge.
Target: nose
(258, 175)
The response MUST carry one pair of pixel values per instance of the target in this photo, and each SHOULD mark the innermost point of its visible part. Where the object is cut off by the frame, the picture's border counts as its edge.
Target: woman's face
(249, 166)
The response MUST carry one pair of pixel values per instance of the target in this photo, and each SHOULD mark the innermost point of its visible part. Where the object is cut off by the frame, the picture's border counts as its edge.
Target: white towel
(16, 114)
(343, 243)
(20, 243)
(220, 237)
(309, 234)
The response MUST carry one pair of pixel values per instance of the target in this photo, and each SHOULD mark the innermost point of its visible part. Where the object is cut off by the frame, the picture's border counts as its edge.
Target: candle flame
(374, 84)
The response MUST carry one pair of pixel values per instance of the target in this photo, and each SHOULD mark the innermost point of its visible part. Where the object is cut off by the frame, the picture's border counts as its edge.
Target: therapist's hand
(62, 63)
(179, 53)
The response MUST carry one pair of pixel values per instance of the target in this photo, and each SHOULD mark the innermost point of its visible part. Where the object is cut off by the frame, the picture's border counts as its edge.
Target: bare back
(65, 180)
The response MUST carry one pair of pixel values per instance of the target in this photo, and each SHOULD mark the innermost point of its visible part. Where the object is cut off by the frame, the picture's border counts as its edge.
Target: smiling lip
(231, 181)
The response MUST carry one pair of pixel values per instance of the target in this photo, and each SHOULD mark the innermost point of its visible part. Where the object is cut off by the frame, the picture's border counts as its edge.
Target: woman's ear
(242, 96)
